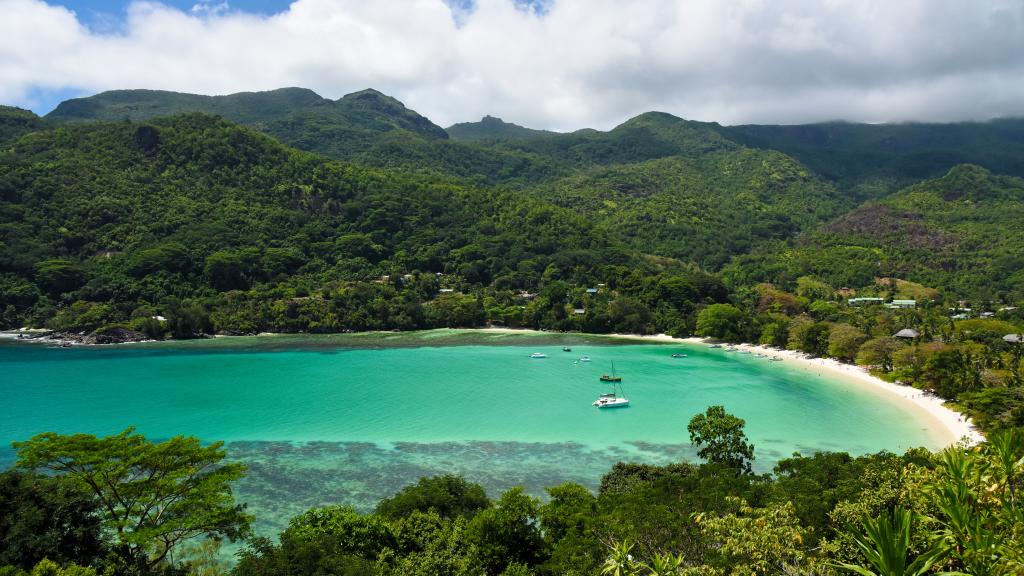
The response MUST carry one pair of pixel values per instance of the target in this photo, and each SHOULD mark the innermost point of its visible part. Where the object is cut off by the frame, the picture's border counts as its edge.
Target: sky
(553, 64)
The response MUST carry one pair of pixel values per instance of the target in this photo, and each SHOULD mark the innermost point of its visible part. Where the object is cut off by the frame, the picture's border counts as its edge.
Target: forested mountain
(103, 223)
(874, 160)
(866, 160)
(963, 232)
(244, 107)
(702, 209)
(14, 122)
(296, 116)
(106, 221)
(656, 183)
(491, 128)
(139, 214)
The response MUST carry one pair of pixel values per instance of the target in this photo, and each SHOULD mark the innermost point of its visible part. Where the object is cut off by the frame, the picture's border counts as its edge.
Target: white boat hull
(616, 403)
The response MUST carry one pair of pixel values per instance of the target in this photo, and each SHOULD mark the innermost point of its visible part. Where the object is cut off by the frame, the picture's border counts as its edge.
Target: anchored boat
(613, 399)
(613, 377)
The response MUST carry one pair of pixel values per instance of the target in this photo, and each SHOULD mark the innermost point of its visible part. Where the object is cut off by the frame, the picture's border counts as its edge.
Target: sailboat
(613, 377)
(613, 399)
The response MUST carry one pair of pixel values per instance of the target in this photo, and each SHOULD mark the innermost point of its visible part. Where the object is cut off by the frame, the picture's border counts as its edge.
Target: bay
(353, 418)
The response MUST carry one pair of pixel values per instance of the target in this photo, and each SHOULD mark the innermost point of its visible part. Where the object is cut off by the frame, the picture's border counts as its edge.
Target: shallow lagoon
(352, 418)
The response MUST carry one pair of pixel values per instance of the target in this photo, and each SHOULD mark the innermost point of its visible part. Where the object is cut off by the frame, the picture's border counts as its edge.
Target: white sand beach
(950, 424)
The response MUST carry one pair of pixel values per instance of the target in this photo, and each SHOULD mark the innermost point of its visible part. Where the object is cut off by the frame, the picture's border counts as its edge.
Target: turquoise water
(326, 419)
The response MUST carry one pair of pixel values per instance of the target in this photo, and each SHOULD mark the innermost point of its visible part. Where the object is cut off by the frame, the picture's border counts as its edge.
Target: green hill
(875, 160)
(244, 107)
(296, 116)
(491, 128)
(962, 233)
(111, 222)
(704, 209)
(497, 206)
(15, 121)
(656, 183)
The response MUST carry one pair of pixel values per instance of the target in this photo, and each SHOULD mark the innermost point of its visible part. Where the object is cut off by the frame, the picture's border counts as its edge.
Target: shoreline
(950, 424)
(955, 426)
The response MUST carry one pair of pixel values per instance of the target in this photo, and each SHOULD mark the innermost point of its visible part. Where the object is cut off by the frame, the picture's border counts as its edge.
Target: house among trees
(1014, 338)
(903, 304)
(906, 333)
(864, 301)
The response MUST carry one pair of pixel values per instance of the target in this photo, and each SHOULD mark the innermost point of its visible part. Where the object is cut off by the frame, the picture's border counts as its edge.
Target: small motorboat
(584, 358)
(613, 377)
(566, 349)
(538, 355)
(679, 355)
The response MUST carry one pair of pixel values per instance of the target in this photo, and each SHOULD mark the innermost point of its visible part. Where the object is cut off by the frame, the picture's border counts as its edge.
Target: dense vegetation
(874, 160)
(956, 512)
(491, 128)
(137, 214)
(960, 232)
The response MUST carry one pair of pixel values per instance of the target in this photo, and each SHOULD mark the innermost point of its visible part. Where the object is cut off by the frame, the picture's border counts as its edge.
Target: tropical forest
(157, 219)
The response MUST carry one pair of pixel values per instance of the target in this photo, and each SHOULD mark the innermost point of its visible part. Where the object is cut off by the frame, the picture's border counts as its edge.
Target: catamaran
(612, 399)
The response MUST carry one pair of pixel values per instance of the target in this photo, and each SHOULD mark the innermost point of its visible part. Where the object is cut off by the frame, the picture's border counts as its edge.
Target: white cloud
(574, 63)
(210, 8)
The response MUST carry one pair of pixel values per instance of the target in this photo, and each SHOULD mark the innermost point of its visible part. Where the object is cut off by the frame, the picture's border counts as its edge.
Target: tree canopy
(151, 496)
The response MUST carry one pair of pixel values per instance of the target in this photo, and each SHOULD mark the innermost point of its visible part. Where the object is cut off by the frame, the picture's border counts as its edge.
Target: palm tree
(620, 563)
(977, 500)
(885, 542)
(664, 565)
(1007, 450)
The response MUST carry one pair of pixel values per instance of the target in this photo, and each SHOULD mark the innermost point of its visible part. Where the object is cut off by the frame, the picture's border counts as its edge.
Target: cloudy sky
(557, 64)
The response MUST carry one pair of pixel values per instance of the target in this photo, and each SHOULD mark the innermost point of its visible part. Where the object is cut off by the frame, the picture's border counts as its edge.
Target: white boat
(612, 399)
(584, 358)
(538, 355)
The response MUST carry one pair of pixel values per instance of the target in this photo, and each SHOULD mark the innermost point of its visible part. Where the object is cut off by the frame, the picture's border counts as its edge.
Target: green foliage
(15, 121)
(879, 352)
(58, 275)
(491, 128)
(47, 567)
(720, 439)
(507, 533)
(152, 496)
(872, 160)
(47, 518)
(723, 321)
(757, 540)
(809, 336)
(844, 342)
(885, 543)
(343, 530)
(449, 496)
(959, 233)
